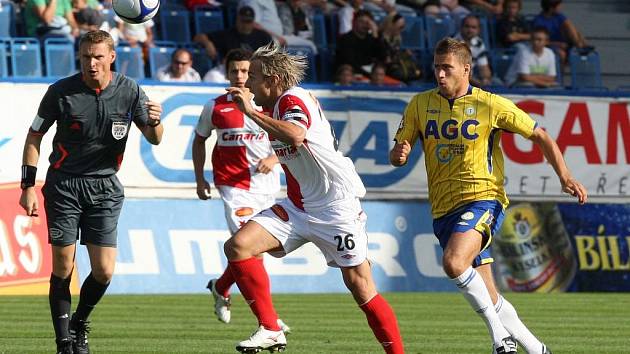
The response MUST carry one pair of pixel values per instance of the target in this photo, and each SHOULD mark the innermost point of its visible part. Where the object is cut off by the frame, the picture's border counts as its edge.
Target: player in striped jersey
(244, 168)
(322, 207)
(460, 127)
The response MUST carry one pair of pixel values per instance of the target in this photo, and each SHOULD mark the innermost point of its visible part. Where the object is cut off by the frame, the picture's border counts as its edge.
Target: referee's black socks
(59, 299)
(91, 293)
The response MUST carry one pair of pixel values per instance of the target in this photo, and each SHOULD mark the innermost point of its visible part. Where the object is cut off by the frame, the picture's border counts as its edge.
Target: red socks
(224, 282)
(252, 279)
(382, 320)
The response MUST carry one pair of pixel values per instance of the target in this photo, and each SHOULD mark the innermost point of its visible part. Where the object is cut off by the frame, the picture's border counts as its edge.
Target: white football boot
(507, 346)
(263, 339)
(221, 304)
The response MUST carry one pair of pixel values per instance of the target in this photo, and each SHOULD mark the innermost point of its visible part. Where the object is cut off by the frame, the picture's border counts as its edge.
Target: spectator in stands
(180, 69)
(562, 33)
(87, 17)
(50, 18)
(140, 34)
(243, 35)
(344, 75)
(400, 64)
(345, 16)
(268, 20)
(295, 19)
(360, 47)
(469, 33)
(534, 65)
(512, 28)
(377, 76)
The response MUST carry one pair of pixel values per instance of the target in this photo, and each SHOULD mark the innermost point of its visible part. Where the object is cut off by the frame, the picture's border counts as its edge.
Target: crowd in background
(366, 44)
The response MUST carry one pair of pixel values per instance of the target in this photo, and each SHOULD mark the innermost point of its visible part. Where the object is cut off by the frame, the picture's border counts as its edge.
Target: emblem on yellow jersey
(469, 111)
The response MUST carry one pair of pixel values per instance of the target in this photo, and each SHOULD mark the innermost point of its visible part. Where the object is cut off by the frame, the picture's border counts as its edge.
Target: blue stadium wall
(170, 242)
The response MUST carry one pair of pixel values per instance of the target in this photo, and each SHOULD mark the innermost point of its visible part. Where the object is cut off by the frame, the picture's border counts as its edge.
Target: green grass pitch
(322, 323)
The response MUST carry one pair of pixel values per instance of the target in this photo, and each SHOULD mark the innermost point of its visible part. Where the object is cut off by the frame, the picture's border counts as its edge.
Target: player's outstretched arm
(153, 130)
(30, 157)
(553, 155)
(399, 153)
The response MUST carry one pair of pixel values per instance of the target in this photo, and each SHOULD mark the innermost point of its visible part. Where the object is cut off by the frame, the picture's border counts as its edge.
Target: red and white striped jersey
(241, 143)
(318, 175)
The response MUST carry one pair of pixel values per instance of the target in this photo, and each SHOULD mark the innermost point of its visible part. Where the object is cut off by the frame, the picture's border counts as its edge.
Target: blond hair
(289, 68)
(97, 36)
(458, 48)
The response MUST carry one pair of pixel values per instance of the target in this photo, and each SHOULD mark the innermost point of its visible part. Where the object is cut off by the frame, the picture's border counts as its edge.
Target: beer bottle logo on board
(522, 228)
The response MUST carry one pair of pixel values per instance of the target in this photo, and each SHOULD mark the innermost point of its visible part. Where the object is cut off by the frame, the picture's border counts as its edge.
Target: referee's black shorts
(90, 204)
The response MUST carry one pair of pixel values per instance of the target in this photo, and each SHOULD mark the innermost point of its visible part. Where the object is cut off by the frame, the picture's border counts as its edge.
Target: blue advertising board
(176, 246)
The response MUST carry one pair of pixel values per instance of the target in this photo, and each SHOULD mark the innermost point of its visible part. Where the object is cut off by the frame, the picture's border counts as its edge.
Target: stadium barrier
(174, 245)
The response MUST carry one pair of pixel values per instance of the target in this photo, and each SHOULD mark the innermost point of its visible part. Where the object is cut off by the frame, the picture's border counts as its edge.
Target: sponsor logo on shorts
(119, 130)
(467, 215)
(463, 223)
(280, 212)
(348, 256)
(246, 211)
(55, 234)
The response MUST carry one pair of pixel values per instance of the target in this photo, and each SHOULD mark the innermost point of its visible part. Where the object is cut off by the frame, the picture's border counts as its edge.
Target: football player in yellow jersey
(460, 127)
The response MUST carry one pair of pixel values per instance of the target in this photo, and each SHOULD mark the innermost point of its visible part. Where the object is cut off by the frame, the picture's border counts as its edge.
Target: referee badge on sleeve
(119, 129)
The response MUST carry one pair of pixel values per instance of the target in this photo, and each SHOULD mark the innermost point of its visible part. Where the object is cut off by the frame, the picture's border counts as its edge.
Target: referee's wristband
(156, 122)
(28, 176)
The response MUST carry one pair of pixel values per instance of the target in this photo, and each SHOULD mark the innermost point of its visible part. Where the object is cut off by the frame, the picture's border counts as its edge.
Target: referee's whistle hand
(28, 201)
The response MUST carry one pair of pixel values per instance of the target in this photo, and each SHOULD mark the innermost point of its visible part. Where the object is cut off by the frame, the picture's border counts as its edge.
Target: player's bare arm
(199, 159)
(153, 130)
(284, 131)
(30, 157)
(399, 153)
(266, 165)
(553, 155)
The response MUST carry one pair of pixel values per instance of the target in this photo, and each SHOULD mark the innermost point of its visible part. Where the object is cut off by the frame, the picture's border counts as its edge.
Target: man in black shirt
(360, 47)
(243, 35)
(93, 110)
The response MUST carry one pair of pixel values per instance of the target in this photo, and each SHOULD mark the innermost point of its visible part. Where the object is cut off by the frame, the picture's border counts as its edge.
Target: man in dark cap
(243, 35)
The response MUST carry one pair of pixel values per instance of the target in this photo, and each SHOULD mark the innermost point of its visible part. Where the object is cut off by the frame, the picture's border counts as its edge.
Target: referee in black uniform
(93, 110)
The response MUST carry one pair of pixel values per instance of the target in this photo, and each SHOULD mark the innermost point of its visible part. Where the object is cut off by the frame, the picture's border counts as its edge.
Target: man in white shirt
(534, 64)
(469, 33)
(180, 69)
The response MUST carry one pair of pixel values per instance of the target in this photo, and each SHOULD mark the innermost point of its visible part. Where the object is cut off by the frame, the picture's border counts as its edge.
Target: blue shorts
(484, 216)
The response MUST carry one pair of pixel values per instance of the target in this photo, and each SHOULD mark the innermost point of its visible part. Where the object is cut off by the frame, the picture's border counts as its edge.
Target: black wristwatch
(156, 122)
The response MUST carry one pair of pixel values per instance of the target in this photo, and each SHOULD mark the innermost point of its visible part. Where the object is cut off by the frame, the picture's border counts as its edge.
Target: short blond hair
(97, 36)
(458, 48)
(275, 61)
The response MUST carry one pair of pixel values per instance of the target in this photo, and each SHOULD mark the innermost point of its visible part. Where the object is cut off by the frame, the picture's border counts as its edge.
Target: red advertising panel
(25, 258)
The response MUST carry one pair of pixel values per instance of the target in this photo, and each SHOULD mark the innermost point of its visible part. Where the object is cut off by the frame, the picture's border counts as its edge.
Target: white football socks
(517, 329)
(474, 290)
